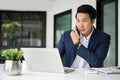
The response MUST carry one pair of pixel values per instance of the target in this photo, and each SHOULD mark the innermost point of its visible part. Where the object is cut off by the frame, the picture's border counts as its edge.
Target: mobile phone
(78, 31)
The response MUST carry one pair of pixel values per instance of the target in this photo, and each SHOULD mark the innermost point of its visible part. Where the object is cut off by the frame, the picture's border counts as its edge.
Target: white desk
(77, 75)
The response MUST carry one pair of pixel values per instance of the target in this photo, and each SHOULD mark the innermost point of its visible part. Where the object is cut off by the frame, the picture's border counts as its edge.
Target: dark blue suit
(94, 54)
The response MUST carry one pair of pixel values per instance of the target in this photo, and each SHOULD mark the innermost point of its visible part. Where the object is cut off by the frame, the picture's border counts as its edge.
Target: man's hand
(75, 36)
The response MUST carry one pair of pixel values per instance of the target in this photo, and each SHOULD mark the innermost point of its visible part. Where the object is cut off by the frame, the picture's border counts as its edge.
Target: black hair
(87, 9)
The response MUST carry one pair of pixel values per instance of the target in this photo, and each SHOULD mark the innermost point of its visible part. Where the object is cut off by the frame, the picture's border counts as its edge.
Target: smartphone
(78, 31)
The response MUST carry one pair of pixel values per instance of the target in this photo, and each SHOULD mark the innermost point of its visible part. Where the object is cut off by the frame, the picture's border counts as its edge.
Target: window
(107, 21)
(62, 22)
(31, 33)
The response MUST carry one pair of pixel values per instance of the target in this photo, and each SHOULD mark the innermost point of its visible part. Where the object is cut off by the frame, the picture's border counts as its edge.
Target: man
(84, 46)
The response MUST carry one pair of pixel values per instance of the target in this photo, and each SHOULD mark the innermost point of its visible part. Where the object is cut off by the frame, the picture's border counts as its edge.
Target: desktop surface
(76, 75)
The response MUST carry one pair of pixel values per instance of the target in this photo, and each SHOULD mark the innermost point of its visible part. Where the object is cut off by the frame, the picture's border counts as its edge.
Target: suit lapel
(92, 39)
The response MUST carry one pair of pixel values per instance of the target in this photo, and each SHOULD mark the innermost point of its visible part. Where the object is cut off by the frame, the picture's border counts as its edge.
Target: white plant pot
(12, 67)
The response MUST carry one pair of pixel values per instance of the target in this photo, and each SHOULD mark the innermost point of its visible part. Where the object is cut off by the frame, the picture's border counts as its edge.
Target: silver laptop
(44, 60)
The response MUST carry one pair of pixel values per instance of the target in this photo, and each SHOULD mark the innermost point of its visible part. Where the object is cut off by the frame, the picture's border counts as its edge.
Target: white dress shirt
(79, 62)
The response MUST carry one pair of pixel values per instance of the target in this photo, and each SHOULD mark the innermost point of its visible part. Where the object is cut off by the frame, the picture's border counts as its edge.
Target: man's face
(84, 23)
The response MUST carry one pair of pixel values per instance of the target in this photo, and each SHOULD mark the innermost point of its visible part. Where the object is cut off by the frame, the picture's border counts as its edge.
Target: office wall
(61, 6)
(32, 5)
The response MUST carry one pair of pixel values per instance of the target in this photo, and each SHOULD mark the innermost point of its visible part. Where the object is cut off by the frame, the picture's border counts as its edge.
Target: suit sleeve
(61, 46)
(95, 58)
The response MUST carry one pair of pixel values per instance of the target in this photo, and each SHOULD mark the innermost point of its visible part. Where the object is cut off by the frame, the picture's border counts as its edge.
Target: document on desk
(108, 70)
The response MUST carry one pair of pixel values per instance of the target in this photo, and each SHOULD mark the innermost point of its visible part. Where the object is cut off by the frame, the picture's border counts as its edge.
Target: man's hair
(87, 9)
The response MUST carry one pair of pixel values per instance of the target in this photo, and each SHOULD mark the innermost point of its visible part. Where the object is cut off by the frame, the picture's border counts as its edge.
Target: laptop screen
(43, 59)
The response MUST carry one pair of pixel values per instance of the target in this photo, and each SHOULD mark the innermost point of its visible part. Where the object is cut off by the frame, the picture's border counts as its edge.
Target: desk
(76, 75)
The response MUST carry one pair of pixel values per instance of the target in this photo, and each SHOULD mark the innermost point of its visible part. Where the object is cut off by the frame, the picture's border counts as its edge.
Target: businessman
(84, 46)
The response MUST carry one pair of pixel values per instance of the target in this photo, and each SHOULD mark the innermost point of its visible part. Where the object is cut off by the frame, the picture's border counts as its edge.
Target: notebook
(44, 60)
(108, 70)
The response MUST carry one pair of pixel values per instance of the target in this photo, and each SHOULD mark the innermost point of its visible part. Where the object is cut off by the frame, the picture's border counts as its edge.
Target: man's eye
(84, 21)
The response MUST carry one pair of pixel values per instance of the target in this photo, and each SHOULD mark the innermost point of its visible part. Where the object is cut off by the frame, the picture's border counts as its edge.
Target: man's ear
(93, 21)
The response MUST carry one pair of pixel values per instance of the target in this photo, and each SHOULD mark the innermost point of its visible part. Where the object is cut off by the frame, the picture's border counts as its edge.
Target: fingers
(75, 32)
(73, 36)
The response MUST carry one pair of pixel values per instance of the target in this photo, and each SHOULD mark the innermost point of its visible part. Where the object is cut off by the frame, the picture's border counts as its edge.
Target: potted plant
(12, 64)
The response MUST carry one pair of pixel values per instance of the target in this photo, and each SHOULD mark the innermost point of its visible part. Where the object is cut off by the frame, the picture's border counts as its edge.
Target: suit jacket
(94, 54)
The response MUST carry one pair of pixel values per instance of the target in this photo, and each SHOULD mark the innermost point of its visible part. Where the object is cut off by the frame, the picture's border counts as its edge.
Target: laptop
(44, 60)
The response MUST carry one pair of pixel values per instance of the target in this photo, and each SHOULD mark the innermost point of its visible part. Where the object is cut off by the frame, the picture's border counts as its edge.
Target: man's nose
(80, 24)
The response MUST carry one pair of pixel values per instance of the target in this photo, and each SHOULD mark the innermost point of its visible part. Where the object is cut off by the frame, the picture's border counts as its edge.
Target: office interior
(48, 14)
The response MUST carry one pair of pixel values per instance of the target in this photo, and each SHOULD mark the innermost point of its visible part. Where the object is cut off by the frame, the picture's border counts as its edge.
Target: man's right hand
(74, 36)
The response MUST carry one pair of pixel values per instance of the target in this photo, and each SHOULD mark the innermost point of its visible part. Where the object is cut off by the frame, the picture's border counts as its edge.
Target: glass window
(62, 23)
(32, 30)
(107, 21)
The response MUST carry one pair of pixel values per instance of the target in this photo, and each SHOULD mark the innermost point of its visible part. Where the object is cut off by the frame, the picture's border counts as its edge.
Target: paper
(108, 70)
(90, 72)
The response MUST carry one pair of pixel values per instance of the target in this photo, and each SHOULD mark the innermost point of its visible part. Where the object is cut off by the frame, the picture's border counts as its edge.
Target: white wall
(34, 5)
(61, 6)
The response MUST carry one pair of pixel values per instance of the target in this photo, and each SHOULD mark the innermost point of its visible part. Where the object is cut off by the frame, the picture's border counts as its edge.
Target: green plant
(12, 54)
(11, 27)
(11, 30)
